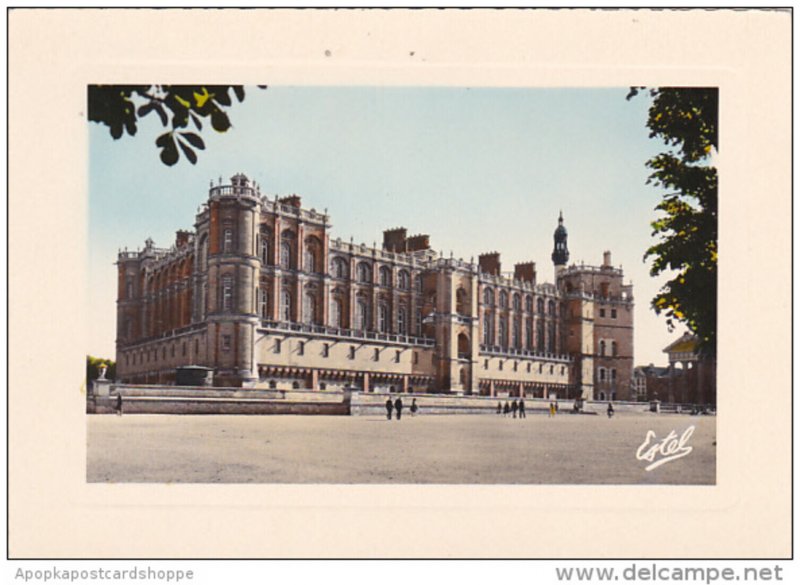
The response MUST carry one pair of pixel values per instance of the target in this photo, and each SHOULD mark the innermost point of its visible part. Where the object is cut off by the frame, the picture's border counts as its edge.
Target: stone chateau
(261, 293)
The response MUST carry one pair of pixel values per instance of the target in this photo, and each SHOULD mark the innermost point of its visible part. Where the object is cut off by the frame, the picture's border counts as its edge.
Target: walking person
(506, 409)
(414, 407)
(552, 411)
(119, 404)
(610, 410)
(398, 406)
(514, 407)
(499, 408)
(389, 408)
(522, 408)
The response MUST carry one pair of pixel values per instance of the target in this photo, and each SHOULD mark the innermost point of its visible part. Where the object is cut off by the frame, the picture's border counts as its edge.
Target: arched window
(551, 308)
(309, 307)
(309, 260)
(528, 335)
(286, 254)
(361, 314)
(539, 336)
(402, 320)
(264, 251)
(602, 373)
(613, 348)
(529, 303)
(461, 302)
(502, 331)
(551, 338)
(403, 280)
(487, 329)
(383, 317)
(339, 268)
(602, 347)
(503, 299)
(286, 305)
(335, 316)
(364, 273)
(515, 334)
(517, 302)
(386, 276)
(540, 306)
(488, 297)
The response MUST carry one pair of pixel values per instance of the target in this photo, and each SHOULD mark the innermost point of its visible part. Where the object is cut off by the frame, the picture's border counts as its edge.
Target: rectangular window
(227, 240)
(326, 348)
(301, 348)
(277, 346)
(397, 357)
(602, 312)
(416, 358)
(352, 352)
(485, 364)
(613, 313)
(226, 343)
(529, 368)
(377, 354)
(500, 365)
(516, 364)
(613, 375)
(227, 293)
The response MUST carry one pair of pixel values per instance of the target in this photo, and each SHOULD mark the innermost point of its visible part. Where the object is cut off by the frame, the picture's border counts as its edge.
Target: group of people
(397, 406)
(513, 408)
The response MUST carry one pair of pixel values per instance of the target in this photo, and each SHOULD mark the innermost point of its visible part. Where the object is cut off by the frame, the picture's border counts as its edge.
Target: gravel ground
(450, 449)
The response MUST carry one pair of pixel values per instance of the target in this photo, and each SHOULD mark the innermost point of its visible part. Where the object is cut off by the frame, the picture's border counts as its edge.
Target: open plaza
(423, 449)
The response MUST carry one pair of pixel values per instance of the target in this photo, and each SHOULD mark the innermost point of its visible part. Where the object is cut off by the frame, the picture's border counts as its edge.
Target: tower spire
(560, 253)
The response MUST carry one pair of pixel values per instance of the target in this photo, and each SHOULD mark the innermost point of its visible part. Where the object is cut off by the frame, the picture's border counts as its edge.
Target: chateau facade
(261, 293)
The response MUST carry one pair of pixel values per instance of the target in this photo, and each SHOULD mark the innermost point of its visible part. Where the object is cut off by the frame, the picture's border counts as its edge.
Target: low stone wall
(143, 399)
(205, 400)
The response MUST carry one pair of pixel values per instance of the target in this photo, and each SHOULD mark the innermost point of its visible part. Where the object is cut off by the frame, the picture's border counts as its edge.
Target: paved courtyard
(448, 449)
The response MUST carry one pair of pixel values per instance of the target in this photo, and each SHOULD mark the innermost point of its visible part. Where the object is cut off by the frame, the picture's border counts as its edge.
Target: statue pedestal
(101, 387)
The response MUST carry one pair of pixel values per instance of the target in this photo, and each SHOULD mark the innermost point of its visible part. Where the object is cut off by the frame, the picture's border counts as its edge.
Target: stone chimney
(606, 259)
(418, 242)
(525, 271)
(394, 240)
(490, 263)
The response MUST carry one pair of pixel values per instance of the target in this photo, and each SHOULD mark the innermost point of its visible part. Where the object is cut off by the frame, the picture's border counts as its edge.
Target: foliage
(120, 107)
(686, 119)
(93, 368)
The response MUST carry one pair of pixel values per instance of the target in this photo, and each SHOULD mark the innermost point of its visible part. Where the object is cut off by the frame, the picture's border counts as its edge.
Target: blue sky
(479, 169)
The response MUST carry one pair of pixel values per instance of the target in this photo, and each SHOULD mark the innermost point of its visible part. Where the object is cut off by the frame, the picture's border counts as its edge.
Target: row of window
(613, 313)
(326, 349)
(604, 374)
(516, 302)
(143, 356)
(608, 348)
(515, 367)
(544, 333)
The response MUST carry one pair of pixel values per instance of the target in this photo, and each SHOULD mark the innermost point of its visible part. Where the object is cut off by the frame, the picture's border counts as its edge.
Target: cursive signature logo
(667, 449)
